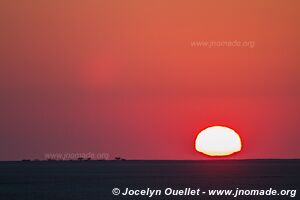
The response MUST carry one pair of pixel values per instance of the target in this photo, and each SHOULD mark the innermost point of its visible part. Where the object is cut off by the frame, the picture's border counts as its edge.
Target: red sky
(121, 77)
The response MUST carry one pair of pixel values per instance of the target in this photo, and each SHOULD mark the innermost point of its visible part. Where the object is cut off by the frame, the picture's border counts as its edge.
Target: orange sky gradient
(121, 77)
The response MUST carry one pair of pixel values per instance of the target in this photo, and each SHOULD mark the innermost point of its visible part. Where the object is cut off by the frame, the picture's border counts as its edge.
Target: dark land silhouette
(94, 180)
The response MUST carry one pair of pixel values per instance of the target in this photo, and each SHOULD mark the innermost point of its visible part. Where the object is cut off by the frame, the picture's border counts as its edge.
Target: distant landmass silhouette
(95, 180)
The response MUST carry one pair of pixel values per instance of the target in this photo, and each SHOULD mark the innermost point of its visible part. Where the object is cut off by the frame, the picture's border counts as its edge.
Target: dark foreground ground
(94, 180)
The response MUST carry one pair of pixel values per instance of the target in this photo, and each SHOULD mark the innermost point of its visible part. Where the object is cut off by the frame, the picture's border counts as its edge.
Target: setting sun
(218, 141)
